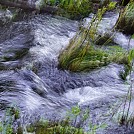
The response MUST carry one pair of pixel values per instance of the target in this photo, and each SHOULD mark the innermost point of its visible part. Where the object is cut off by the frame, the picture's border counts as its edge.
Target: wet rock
(35, 83)
(11, 54)
(5, 17)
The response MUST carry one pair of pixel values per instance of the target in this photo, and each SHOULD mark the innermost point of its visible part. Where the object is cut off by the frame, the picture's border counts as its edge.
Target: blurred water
(31, 80)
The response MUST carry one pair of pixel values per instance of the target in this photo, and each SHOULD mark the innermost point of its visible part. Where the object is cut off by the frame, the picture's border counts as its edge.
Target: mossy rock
(126, 19)
(75, 9)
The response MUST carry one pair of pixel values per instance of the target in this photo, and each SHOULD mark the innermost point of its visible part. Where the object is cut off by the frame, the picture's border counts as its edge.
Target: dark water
(30, 79)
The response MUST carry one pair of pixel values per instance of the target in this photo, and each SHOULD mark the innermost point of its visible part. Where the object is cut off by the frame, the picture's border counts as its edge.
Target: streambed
(31, 80)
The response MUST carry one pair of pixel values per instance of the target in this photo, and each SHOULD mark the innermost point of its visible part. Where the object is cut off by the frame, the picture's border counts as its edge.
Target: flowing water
(31, 80)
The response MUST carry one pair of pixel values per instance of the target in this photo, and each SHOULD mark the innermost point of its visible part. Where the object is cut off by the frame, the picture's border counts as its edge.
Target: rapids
(30, 78)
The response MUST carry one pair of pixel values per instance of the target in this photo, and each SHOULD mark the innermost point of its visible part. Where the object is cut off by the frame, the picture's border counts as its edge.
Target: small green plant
(83, 116)
(74, 9)
(69, 125)
(124, 115)
(73, 114)
(72, 124)
(6, 125)
(111, 5)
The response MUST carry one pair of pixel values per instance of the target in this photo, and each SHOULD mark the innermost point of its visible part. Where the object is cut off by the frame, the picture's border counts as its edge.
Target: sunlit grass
(74, 9)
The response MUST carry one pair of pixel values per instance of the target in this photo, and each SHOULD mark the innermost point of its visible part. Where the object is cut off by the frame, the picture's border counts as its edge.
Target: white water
(35, 84)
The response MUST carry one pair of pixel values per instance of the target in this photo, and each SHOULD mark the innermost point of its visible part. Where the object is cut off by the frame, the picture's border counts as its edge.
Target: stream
(30, 78)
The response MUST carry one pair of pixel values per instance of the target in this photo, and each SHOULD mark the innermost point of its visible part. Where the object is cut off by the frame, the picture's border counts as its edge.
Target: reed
(83, 55)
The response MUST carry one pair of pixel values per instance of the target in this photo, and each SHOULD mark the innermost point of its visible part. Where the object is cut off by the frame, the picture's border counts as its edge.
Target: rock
(5, 16)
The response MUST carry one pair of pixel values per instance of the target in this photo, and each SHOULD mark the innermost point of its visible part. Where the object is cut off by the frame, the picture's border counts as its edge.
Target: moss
(53, 127)
(75, 9)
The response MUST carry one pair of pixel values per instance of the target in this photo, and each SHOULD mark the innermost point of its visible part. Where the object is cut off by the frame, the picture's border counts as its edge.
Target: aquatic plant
(89, 58)
(11, 115)
(69, 125)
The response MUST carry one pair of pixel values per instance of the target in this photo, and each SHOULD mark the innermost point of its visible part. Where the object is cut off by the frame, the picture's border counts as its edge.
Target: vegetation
(10, 115)
(74, 9)
(129, 66)
(126, 19)
(82, 54)
(125, 115)
(71, 124)
(88, 58)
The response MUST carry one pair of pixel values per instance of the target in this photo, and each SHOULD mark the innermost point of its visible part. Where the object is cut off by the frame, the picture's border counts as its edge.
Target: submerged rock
(5, 16)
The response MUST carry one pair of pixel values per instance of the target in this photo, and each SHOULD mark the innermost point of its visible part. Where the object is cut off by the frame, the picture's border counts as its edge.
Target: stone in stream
(5, 16)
